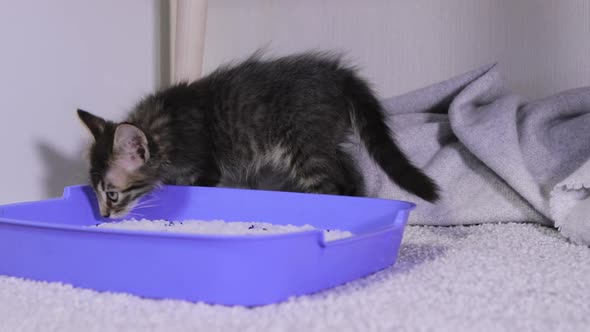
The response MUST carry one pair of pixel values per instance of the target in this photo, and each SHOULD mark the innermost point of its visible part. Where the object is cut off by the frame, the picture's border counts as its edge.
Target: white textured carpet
(511, 277)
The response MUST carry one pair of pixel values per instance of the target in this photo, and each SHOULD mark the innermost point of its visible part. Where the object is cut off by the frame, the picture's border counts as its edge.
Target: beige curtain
(188, 21)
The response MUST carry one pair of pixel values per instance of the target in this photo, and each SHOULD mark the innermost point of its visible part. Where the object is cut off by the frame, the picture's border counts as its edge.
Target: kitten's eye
(113, 196)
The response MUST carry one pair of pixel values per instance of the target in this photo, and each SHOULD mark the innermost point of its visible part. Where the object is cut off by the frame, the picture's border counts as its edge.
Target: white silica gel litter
(218, 227)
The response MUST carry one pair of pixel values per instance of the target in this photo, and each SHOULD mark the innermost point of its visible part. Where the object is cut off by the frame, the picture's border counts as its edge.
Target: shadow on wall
(61, 170)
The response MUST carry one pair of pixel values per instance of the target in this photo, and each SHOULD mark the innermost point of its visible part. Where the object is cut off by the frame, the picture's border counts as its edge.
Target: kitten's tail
(369, 118)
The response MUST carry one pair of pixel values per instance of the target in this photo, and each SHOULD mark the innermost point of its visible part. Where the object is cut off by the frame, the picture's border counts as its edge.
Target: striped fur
(275, 124)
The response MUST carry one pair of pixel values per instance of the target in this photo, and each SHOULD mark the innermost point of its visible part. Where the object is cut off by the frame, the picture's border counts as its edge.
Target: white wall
(543, 46)
(56, 56)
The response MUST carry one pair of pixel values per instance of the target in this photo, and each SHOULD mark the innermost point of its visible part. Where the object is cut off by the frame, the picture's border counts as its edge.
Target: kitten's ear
(94, 123)
(130, 146)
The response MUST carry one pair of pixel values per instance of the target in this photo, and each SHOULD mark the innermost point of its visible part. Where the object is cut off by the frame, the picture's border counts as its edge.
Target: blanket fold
(497, 156)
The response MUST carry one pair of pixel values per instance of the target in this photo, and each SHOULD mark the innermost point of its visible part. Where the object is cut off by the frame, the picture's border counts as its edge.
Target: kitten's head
(120, 171)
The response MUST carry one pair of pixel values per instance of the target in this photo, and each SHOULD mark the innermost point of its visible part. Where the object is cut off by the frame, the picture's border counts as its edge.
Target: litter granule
(218, 227)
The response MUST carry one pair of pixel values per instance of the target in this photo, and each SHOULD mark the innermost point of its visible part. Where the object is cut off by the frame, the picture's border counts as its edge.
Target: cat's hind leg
(328, 173)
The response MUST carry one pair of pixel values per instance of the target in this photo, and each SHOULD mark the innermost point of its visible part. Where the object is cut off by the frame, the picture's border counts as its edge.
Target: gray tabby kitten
(265, 124)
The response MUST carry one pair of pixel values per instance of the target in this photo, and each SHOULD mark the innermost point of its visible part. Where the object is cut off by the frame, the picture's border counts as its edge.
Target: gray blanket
(497, 156)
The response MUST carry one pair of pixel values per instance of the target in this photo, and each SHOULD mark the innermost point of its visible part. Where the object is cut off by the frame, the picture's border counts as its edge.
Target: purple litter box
(49, 241)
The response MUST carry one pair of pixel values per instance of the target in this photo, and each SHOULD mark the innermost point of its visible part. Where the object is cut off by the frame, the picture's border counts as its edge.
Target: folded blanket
(496, 156)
